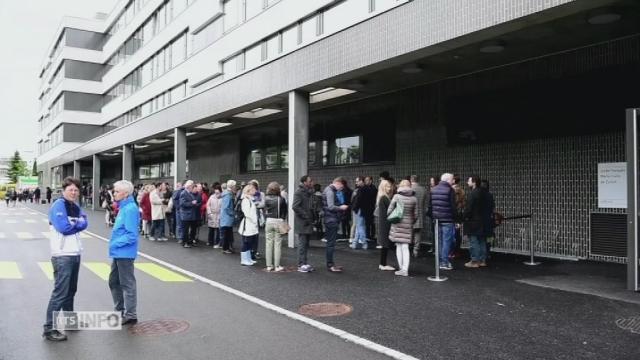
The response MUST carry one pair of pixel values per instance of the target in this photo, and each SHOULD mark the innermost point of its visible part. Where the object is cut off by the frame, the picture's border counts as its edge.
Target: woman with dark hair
(275, 211)
(48, 194)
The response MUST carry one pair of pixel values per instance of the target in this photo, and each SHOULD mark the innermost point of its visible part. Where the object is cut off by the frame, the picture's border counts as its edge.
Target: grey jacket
(402, 232)
(422, 197)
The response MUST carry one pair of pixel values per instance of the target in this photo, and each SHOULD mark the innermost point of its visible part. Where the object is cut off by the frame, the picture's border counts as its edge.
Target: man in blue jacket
(67, 220)
(123, 249)
(443, 207)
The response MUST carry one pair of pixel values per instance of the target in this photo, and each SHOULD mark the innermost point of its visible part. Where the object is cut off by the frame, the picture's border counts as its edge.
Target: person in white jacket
(157, 212)
(248, 227)
(67, 220)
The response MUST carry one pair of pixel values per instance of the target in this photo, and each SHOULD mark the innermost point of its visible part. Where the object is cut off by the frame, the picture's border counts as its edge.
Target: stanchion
(437, 277)
(532, 261)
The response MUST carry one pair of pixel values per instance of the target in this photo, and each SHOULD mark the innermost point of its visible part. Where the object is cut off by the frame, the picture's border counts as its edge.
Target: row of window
(53, 139)
(152, 26)
(156, 171)
(165, 99)
(334, 152)
(304, 32)
(127, 16)
(164, 60)
(57, 107)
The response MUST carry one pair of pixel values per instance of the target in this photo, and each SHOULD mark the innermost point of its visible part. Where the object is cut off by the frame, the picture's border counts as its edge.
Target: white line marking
(30, 221)
(2, 236)
(24, 235)
(45, 220)
(368, 344)
(11, 221)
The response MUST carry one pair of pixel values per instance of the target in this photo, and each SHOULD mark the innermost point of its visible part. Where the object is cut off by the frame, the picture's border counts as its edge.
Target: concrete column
(179, 155)
(298, 148)
(632, 199)
(96, 183)
(76, 169)
(127, 162)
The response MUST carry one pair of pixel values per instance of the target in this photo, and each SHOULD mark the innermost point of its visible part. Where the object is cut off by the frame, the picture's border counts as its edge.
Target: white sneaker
(279, 269)
(151, 238)
(163, 239)
(217, 246)
(401, 273)
(324, 240)
(386, 268)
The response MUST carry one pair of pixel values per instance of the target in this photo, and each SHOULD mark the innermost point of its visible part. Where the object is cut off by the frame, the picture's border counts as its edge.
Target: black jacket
(303, 209)
(477, 215)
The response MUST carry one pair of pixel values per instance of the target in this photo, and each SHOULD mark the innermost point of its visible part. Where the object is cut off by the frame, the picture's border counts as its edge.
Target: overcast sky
(27, 28)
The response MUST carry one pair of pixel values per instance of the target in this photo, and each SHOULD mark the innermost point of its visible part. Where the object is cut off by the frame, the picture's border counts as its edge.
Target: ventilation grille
(608, 234)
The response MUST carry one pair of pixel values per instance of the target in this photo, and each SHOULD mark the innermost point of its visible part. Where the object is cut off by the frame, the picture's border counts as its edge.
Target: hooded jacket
(124, 237)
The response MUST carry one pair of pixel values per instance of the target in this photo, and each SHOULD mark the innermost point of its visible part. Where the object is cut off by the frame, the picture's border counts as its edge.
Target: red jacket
(203, 207)
(145, 205)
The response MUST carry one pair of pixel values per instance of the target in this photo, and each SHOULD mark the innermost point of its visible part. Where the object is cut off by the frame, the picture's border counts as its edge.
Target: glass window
(254, 160)
(382, 5)
(343, 14)
(253, 57)
(345, 151)
(309, 30)
(146, 109)
(273, 47)
(178, 93)
(162, 18)
(161, 62)
(179, 6)
(146, 73)
(271, 158)
(254, 7)
(179, 50)
(147, 31)
(230, 67)
(312, 154)
(232, 14)
(284, 157)
(290, 39)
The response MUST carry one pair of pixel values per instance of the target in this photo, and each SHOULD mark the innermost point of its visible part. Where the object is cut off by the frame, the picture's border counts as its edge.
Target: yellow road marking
(47, 268)
(98, 268)
(9, 270)
(161, 273)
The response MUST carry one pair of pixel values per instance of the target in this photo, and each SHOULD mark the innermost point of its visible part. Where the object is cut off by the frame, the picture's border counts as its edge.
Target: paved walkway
(505, 311)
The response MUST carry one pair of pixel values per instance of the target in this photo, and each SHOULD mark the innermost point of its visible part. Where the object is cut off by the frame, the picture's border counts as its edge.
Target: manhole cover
(159, 327)
(325, 309)
(631, 324)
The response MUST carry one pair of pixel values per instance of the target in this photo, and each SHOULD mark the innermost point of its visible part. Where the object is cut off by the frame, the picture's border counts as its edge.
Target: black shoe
(54, 335)
(131, 321)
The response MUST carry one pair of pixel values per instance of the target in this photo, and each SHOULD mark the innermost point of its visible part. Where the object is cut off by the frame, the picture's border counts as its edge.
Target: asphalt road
(491, 313)
(222, 326)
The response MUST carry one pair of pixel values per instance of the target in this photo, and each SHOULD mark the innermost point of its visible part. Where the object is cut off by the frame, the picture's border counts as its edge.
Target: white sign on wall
(612, 185)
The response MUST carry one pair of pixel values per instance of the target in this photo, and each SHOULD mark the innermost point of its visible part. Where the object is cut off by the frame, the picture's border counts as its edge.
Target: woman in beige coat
(402, 231)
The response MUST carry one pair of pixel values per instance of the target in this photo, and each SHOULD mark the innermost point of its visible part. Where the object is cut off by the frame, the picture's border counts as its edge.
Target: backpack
(237, 210)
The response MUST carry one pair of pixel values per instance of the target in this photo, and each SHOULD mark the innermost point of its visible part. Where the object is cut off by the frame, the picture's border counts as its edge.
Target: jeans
(361, 231)
(478, 248)
(171, 223)
(157, 229)
(446, 238)
(213, 236)
(122, 283)
(226, 233)
(331, 234)
(273, 247)
(179, 227)
(248, 241)
(65, 273)
(303, 246)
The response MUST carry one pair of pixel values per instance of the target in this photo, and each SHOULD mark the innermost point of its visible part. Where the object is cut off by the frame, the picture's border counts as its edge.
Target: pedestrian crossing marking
(30, 221)
(98, 268)
(9, 270)
(161, 273)
(2, 236)
(45, 220)
(24, 235)
(47, 268)
(11, 221)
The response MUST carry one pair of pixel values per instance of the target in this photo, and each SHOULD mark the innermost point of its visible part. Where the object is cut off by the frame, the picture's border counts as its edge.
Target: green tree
(17, 167)
(34, 171)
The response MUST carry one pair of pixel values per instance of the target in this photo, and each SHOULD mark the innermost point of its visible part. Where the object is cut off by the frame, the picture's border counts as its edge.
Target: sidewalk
(505, 311)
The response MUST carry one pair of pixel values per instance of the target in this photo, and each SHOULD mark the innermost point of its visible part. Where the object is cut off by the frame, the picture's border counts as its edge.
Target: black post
(632, 199)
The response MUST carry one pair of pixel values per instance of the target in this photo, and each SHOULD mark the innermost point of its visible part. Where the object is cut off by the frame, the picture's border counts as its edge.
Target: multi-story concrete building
(529, 94)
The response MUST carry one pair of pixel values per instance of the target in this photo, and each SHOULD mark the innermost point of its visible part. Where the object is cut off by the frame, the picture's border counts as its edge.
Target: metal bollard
(437, 277)
(532, 261)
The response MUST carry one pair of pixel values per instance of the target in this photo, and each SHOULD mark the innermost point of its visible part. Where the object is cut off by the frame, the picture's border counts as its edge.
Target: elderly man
(123, 248)
(67, 220)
